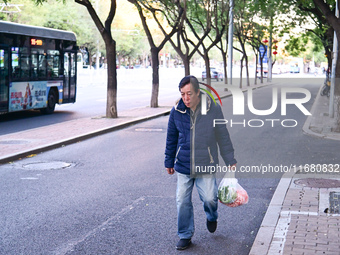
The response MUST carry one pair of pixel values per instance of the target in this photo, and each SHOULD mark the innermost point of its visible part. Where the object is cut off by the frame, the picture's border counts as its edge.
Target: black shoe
(211, 226)
(183, 244)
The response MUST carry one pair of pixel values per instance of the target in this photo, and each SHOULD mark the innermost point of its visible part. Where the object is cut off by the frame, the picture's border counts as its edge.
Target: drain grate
(318, 183)
(334, 202)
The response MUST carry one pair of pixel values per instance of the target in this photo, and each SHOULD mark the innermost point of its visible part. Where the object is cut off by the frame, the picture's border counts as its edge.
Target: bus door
(4, 81)
(70, 63)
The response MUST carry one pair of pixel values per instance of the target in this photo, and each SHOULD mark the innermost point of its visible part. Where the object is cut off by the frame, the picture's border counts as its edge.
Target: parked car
(214, 73)
(294, 69)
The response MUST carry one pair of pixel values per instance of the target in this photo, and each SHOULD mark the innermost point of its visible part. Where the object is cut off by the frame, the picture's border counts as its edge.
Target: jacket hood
(181, 107)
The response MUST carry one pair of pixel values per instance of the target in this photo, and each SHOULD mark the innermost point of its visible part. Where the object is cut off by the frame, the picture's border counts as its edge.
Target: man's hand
(170, 170)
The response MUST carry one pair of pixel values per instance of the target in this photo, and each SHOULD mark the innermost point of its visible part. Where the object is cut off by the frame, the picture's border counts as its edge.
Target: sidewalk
(303, 216)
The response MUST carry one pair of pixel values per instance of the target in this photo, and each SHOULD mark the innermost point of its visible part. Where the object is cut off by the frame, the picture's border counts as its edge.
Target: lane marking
(29, 178)
(69, 246)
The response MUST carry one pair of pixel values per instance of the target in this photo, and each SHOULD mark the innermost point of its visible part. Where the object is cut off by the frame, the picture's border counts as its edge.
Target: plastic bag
(231, 193)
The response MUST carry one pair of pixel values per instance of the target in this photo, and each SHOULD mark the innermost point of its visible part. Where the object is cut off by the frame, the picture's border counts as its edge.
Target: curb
(79, 138)
(266, 231)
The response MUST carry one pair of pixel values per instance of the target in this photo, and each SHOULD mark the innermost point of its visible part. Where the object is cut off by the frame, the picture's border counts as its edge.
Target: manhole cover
(54, 165)
(149, 130)
(14, 142)
(318, 183)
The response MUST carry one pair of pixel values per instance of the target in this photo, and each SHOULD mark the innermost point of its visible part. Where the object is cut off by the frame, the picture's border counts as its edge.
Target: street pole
(334, 60)
(269, 50)
(230, 42)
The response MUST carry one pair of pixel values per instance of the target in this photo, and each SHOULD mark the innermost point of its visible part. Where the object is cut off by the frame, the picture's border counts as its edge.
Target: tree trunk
(186, 63)
(247, 70)
(155, 77)
(207, 68)
(224, 56)
(337, 92)
(111, 104)
(334, 22)
(256, 63)
(241, 70)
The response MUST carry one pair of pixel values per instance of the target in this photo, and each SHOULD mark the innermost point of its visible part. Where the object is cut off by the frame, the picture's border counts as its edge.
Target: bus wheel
(52, 100)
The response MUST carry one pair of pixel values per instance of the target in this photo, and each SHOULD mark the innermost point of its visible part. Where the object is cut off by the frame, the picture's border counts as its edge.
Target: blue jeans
(207, 190)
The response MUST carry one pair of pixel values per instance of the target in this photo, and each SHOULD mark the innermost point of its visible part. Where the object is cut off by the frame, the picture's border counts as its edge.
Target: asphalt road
(116, 198)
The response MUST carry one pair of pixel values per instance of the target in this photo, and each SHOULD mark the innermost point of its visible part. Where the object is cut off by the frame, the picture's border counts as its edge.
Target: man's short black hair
(189, 79)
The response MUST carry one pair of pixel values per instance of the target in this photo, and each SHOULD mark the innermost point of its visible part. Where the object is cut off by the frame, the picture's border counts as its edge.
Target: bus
(37, 68)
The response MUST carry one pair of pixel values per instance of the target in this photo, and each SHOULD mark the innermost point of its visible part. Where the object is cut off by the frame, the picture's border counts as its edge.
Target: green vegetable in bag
(227, 194)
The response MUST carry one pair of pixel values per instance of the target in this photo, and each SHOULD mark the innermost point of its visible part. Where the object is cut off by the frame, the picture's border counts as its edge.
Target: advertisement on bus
(27, 95)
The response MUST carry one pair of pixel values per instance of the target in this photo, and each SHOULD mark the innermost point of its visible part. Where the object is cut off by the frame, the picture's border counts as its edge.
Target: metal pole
(334, 60)
(269, 50)
(230, 41)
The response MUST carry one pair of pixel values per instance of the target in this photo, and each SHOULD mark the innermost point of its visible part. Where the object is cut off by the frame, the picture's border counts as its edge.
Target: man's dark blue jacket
(204, 138)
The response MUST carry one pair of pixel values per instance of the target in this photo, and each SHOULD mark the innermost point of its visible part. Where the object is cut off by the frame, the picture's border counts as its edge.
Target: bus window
(67, 76)
(52, 63)
(20, 63)
(73, 78)
(42, 66)
(3, 79)
(15, 62)
(24, 63)
(38, 63)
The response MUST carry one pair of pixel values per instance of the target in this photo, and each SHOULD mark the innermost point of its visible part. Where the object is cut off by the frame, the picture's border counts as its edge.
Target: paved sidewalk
(300, 219)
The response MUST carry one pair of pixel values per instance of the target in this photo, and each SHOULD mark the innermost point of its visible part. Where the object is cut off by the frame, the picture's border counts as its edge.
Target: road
(115, 197)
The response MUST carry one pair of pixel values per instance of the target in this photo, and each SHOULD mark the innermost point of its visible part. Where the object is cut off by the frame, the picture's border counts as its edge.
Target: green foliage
(296, 46)
(307, 45)
(130, 44)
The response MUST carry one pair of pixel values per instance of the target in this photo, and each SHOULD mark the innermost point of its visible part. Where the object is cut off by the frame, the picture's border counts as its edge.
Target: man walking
(191, 146)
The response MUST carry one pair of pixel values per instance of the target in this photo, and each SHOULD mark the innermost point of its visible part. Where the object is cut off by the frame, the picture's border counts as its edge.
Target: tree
(131, 44)
(323, 33)
(242, 27)
(224, 48)
(255, 35)
(110, 47)
(182, 47)
(204, 20)
(158, 10)
(328, 11)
